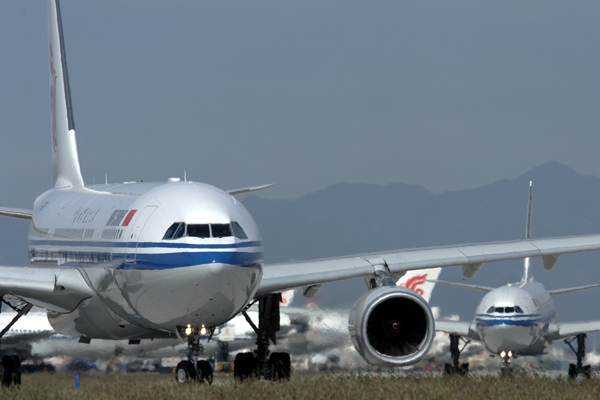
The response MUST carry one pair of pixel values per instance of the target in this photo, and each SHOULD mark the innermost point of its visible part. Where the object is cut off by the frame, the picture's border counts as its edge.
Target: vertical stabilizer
(65, 161)
(527, 264)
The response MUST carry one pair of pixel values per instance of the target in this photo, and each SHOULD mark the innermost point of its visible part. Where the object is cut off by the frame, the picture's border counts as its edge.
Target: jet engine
(391, 326)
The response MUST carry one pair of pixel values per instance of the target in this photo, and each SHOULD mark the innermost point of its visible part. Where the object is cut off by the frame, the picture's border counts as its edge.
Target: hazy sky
(449, 95)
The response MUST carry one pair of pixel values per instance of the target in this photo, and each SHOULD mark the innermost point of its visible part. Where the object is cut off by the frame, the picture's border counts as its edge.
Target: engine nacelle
(391, 326)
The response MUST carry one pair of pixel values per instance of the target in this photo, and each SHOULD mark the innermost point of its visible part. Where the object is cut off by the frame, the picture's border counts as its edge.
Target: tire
(185, 372)
(12, 371)
(448, 369)
(587, 371)
(572, 371)
(206, 371)
(244, 366)
(280, 365)
(464, 369)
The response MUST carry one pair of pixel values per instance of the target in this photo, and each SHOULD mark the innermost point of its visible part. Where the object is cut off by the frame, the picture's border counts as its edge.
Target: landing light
(510, 353)
(203, 330)
(502, 354)
(188, 330)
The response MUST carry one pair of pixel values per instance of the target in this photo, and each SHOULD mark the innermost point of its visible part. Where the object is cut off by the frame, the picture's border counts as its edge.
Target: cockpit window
(490, 310)
(221, 230)
(238, 231)
(198, 230)
(500, 309)
(173, 229)
(180, 231)
(519, 309)
(509, 310)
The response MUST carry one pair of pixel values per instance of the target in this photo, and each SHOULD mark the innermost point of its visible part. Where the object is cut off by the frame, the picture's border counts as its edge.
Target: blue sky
(449, 95)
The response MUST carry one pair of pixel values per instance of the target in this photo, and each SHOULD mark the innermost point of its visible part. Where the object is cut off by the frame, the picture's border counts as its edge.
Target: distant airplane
(517, 320)
(177, 259)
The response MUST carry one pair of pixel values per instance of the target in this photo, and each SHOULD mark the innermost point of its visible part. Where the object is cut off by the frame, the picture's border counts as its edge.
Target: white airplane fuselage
(145, 282)
(515, 318)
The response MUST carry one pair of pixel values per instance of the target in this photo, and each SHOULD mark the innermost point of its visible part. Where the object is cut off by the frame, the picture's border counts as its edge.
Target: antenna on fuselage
(527, 265)
(184, 176)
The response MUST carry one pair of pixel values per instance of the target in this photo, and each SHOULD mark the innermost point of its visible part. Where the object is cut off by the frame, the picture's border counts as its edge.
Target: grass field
(302, 386)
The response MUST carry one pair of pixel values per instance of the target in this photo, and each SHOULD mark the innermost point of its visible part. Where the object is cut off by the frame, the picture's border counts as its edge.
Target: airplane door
(135, 232)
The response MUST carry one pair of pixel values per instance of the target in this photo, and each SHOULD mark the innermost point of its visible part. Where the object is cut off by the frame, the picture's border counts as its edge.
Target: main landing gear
(262, 363)
(455, 367)
(579, 368)
(12, 364)
(192, 369)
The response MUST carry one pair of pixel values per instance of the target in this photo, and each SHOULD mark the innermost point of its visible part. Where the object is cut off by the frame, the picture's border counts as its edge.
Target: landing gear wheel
(12, 371)
(185, 372)
(587, 371)
(448, 369)
(281, 367)
(462, 369)
(572, 371)
(244, 366)
(205, 369)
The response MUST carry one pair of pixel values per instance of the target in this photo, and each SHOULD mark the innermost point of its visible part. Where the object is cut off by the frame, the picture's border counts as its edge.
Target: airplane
(517, 320)
(177, 259)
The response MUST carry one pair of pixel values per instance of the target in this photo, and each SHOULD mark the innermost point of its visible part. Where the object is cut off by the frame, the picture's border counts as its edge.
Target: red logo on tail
(414, 283)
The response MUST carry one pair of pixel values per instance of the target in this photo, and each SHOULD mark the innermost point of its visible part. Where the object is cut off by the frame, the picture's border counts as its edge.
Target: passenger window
(509, 310)
(180, 231)
(199, 231)
(220, 230)
(490, 310)
(238, 231)
(171, 231)
(500, 310)
(519, 309)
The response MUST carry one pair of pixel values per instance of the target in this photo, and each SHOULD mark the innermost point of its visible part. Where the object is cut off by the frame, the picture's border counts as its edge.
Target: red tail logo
(414, 283)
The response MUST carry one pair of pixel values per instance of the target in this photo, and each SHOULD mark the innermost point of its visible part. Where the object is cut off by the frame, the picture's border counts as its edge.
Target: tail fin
(65, 161)
(527, 266)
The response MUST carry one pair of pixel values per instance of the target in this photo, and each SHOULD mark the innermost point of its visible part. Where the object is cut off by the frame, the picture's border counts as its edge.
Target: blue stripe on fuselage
(513, 320)
(187, 259)
(239, 254)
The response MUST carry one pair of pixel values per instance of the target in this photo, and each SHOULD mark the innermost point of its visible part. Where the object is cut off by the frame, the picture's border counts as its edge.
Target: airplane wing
(570, 329)
(280, 277)
(57, 289)
(460, 328)
(463, 285)
(571, 290)
(19, 213)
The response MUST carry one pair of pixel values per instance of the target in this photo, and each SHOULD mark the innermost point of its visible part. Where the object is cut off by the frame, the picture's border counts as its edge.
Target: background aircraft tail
(527, 262)
(65, 160)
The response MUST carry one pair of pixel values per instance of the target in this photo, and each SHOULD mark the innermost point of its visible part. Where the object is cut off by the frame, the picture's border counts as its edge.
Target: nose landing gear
(192, 369)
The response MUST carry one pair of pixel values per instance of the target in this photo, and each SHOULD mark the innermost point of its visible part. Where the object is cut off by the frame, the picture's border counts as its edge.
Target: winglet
(65, 160)
(249, 189)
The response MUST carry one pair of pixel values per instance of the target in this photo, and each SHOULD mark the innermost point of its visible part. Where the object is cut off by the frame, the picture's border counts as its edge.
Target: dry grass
(301, 386)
